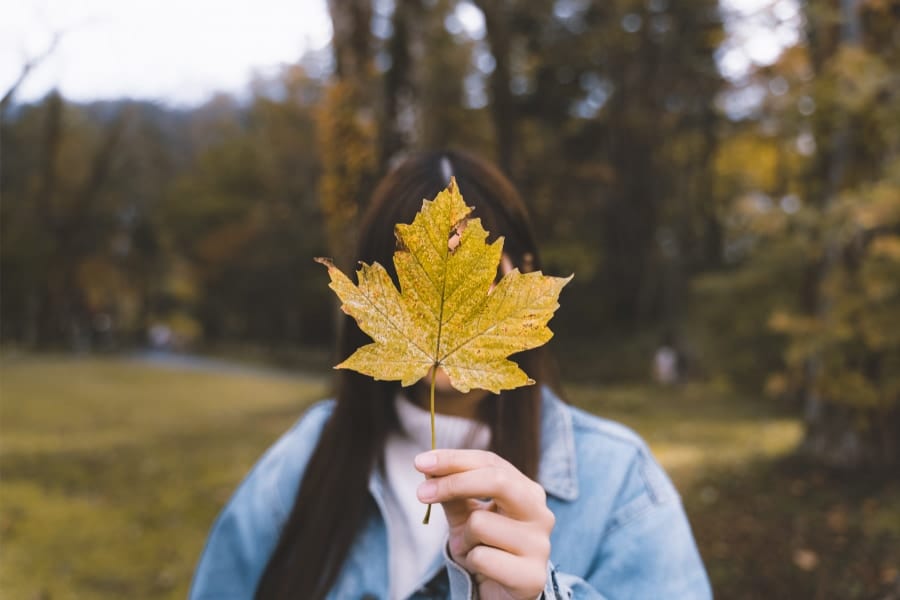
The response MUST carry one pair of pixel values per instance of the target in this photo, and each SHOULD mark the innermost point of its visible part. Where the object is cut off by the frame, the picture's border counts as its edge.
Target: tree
(813, 235)
(243, 222)
(347, 126)
(839, 351)
(60, 221)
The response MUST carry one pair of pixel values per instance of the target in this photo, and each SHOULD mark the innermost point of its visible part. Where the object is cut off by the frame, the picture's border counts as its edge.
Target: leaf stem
(433, 369)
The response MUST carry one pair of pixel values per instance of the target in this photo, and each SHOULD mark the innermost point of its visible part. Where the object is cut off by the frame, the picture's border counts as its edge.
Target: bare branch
(27, 68)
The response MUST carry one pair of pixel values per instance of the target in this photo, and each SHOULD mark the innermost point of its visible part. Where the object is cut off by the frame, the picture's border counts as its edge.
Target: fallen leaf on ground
(806, 559)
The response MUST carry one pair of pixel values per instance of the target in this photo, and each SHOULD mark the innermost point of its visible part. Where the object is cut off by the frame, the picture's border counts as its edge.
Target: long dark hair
(333, 496)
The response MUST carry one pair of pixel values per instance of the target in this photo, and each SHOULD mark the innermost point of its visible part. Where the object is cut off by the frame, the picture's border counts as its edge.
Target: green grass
(111, 472)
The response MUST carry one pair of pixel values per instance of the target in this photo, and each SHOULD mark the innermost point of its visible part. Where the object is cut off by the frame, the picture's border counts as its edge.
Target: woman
(533, 498)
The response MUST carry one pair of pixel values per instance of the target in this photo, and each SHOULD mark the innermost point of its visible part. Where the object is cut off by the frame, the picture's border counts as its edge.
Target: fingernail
(427, 491)
(426, 460)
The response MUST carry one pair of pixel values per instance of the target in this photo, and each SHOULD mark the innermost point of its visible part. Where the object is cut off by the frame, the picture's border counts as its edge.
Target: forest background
(744, 213)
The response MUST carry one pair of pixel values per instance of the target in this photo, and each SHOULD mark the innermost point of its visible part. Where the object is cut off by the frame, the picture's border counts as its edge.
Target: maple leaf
(447, 313)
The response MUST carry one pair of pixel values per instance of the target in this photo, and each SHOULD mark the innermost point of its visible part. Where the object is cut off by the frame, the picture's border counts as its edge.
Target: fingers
(508, 547)
(488, 528)
(457, 511)
(444, 462)
(523, 577)
(513, 493)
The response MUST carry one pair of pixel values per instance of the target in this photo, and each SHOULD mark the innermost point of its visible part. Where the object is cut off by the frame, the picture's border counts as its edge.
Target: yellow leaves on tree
(447, 314)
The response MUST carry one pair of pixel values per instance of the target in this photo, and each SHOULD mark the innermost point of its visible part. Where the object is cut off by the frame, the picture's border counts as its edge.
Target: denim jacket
(620, 528)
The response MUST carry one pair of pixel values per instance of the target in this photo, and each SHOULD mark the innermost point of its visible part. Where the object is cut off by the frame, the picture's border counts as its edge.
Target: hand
(505, 541)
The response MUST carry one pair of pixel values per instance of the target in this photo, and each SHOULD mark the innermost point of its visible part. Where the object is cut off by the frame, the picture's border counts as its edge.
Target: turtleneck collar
(450, 431)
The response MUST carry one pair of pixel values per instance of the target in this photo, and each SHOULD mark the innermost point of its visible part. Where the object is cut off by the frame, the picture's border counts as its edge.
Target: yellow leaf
(447, 313)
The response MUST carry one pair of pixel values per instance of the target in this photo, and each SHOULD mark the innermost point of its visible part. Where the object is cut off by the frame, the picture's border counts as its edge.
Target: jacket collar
(557, 471)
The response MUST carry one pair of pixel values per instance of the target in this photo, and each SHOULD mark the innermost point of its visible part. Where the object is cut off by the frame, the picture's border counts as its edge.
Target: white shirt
(412, 545)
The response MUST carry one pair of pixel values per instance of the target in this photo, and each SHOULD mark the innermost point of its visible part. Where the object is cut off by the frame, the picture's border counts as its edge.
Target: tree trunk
(503, 108)
(347, 127)
(837, 435)
(45, 327)
(352, 40)
(399, 120)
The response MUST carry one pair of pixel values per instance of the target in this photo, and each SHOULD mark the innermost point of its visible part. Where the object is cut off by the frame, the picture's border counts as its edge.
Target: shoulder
(313, 417)
(624, 531)
(270, 485)
(614, 467)
(247, 529)
(605, 431)
(598, 435)
(279, 470)
(310, 422)
(623, 452)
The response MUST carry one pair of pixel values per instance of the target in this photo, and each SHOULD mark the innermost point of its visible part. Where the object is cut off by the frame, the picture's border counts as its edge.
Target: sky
(176, 51)
(183, 51)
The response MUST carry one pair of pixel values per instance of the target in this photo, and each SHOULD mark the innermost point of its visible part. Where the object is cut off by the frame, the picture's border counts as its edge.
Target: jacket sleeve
(647, 549)
(655, 558)
(247, 530)
(463, 585)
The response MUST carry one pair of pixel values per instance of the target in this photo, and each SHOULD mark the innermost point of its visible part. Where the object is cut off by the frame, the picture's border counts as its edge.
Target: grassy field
(111, 472)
